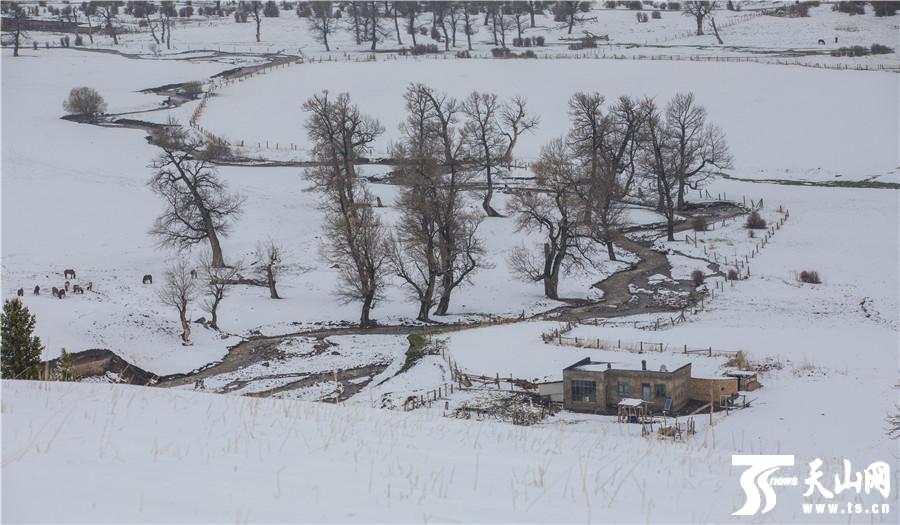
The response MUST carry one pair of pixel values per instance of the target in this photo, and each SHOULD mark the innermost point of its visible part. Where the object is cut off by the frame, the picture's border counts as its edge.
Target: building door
(645, 391)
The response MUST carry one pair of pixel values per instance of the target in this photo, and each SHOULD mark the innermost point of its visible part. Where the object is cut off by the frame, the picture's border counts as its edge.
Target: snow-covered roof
(631, 402)
(740, 373)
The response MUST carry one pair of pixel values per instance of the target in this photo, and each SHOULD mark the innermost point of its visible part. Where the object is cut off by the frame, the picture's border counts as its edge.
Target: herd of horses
(60, 292)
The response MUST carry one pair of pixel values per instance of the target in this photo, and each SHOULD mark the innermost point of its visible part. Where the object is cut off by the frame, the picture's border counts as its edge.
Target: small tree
(20, 350)
(178, 292)
(85, 101)
(269, 262)
(65, 367)
(215, 281)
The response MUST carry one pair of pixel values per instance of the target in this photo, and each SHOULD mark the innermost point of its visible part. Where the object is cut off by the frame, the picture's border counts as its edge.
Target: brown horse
(77, 289)
(69, 274)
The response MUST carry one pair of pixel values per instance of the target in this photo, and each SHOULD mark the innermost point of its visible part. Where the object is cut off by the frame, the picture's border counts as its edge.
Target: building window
(624, 391)
(584, 391)
(660, 390)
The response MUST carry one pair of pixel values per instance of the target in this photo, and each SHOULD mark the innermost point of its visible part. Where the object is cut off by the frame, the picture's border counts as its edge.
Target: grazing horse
(90, 286)
(821, 42)
(77, 289)
(62, 293)
(148, 279)
(69, 274)
(55, 291)
(37, 290)
(66, 285)
(20, 292)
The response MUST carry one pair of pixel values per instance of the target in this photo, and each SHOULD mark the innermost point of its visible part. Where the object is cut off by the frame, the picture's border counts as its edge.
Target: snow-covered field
(786, 120)
(75, 196)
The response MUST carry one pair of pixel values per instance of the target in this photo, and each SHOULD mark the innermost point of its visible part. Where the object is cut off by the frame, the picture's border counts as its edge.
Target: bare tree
(568, 12)
(699, 145)
(490, 135)
(178, 290)
(107, 11)
(376, 31)
(459, 248)
(410, 11)
(85, 101)
(601, 141)
(167, 11)
(19, 14)
(269, 261)
(322, 23)
(500, 25)
(89, 9)
(199, 206)
(254, 9)
(413, 251)
(390, 9)
(468, 28)
(699, 10)
(552, 209)
(356, 243)
(214, 283)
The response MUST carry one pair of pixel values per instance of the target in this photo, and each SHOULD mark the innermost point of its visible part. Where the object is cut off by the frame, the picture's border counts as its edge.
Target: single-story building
(601, 387)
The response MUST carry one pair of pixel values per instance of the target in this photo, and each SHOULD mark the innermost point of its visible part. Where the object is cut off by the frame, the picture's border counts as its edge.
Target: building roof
(631, 402)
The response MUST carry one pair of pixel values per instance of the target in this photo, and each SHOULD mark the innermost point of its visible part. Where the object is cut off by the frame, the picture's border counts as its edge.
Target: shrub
(79, 41)
(853, 51)
(699, 224)
(878, 49)
(463, 54)
(674, 6)
(609, 5)
(635, 6)
(656, 14)
(517, 42)
(271, 10)
(539, 41)
(851, 8)
(755, 222)
(500, 52)
(810, 277)
(527, 41)
(194, 87)
(697, 277)
(85, 101)
(663, 6)
(732, 275)
(34, 44)
(885, 8)
(424, 49)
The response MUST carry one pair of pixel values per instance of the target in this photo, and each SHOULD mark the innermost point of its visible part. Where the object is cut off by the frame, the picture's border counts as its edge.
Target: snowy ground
(74, 196)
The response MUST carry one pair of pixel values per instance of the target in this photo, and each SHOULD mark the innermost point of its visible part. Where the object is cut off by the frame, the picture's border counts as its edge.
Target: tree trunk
(670, 226)
(680, 202)
(16, 43)
(551, 286)
(699, 25)
(364, 320)
(397, 27)
(531, 13)
(712, 21)
(325, 40)
(412, 26)
(270, 280)
(217, 260)
(257, 27)
(214, 314)
(185, 327)
(610, 250)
